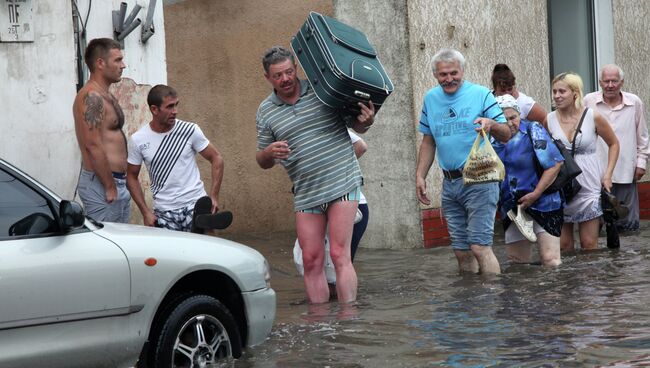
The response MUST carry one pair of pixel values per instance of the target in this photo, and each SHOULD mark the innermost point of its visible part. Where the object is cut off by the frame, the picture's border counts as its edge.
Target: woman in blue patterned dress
(532, 162)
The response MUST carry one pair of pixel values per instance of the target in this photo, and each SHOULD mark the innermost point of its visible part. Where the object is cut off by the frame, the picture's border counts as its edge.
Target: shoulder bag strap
(575, 134)
(538, 166)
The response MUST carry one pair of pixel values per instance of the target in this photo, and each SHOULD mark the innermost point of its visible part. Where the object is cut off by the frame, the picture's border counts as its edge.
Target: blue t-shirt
(522, 176)
(449, 118)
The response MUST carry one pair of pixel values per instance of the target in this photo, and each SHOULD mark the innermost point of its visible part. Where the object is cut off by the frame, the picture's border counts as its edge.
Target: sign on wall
(16, 21)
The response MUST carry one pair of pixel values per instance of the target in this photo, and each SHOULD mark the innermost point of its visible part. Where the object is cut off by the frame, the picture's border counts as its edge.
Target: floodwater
(414, 310)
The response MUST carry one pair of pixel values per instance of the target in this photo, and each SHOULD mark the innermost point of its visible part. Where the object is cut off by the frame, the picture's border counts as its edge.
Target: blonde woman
(584, 209)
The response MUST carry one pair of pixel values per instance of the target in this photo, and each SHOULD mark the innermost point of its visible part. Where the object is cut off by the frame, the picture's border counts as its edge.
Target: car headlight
(267, 273)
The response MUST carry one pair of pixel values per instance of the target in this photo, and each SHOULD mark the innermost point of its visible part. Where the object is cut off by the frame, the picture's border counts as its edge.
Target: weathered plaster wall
(389, 164)
(39, 85)
(214, 62)
(133, 100)
(632, 46)
(486, 32)
(145, 63)
(214, 51)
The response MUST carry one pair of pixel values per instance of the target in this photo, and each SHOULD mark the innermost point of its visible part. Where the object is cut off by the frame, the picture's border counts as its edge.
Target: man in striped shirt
(295, 129)
(168, 146)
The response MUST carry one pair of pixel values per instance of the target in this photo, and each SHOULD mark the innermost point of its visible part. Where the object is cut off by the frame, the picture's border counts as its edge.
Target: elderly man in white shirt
(625, 113)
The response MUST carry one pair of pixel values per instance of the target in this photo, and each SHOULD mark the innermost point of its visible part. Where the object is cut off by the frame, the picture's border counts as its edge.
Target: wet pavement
(414, 310)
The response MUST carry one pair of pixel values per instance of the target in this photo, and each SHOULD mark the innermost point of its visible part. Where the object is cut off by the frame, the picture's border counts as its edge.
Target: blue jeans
(469, 211)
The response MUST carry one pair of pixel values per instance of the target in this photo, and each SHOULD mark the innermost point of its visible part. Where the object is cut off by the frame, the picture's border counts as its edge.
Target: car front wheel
(200, 331)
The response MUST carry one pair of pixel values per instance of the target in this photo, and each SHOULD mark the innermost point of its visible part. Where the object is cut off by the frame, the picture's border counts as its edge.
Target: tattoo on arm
(94, 114)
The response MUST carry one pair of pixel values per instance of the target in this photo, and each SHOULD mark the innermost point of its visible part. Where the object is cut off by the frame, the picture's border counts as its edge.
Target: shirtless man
(98, 124)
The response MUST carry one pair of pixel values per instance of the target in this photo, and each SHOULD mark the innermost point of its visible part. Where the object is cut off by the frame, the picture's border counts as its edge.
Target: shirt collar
(625, 101)
(304, 87)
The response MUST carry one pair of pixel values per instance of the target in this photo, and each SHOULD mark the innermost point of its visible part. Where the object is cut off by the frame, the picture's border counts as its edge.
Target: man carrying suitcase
(310, 140)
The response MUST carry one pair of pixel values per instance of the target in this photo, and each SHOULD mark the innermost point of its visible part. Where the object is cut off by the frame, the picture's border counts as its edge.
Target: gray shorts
(93, 196)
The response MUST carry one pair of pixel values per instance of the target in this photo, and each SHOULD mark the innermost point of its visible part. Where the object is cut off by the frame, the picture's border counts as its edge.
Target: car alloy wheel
(202, 340)
(199, 332)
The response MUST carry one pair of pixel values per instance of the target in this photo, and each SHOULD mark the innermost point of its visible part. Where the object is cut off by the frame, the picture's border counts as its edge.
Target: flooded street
(414, 310)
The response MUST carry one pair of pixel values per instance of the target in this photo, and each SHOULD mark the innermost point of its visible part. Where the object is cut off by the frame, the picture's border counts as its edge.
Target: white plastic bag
(330, 272)
(483, 164)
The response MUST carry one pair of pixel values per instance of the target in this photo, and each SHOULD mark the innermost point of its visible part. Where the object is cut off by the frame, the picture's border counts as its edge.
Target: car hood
(181, 253)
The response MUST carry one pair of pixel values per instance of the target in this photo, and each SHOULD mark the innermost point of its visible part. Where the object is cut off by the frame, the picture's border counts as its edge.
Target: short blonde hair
(574, 82)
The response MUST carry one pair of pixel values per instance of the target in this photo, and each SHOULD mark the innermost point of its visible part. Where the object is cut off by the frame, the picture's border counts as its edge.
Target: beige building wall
(632, 47)
(214, 50)
(389, 164)
(215, 65)
(213, 55)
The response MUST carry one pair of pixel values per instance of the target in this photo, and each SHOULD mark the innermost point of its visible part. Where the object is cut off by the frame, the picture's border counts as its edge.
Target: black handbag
(565, 182)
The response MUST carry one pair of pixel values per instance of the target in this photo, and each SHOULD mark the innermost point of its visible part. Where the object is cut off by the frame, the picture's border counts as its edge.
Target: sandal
(609, 201)
(203, 206)
(214, 221)
(524, 223)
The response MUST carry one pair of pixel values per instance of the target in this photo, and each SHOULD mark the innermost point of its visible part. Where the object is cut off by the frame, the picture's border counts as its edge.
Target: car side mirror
(71, 216)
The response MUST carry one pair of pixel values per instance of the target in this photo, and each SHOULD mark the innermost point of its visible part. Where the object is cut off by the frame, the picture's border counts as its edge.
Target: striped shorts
(354, 195)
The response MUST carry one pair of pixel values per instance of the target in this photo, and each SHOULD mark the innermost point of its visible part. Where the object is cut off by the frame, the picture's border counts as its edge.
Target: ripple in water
(414, 310)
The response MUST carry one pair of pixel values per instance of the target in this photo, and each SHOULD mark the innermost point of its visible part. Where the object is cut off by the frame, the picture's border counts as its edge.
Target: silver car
(77, 293)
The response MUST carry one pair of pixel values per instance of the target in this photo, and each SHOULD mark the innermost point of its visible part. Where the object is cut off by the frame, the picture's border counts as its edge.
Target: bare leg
(549, 249)
(487, 261)
(318, 312)
(566, 237)
(340, 221)
(311, 236)
(519, 251)
(589, 234)
(466, 261)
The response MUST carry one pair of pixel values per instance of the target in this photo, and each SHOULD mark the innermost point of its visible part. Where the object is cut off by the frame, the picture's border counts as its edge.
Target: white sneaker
(524, 223)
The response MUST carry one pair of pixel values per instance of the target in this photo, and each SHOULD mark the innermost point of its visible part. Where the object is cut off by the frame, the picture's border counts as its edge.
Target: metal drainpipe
(80, 45)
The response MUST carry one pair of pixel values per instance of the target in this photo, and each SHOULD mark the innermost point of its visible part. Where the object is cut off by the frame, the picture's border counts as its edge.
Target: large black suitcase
(341, 65)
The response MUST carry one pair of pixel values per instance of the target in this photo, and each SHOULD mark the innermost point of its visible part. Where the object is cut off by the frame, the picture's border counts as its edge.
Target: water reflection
(414, 310)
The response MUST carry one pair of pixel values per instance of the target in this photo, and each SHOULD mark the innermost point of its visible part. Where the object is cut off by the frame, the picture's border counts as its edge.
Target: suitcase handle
(365, 96)
(361, 65)
(369, 53)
